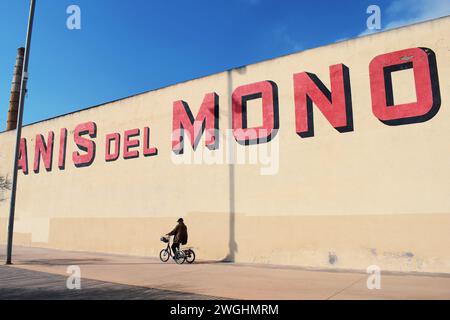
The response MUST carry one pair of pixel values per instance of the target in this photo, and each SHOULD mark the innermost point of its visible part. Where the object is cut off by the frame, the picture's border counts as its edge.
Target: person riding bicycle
(181, 235)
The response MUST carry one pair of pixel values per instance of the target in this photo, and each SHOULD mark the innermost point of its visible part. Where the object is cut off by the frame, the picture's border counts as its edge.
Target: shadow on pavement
(19, 284)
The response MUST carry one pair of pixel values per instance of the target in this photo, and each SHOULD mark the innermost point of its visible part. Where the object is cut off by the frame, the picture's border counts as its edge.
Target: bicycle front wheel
(164, 255)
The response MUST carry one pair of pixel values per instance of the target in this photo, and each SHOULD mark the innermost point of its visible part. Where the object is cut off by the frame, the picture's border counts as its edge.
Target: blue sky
(129, 46)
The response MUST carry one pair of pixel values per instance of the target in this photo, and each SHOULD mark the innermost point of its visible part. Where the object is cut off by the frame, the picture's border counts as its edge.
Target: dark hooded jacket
(180, 233)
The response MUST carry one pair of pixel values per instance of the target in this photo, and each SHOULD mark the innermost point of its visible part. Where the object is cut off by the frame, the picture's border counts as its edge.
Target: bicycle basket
(164, 239)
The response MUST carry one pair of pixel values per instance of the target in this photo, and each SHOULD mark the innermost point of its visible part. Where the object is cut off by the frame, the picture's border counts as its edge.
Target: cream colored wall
(377, 195)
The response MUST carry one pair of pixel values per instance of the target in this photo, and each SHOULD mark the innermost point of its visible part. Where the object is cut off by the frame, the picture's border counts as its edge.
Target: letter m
(185, 124)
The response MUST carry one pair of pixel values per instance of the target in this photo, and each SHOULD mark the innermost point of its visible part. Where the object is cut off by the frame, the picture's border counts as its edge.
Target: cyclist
(181, 235)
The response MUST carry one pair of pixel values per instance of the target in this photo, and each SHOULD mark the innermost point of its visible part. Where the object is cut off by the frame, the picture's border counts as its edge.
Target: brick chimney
(11, 123)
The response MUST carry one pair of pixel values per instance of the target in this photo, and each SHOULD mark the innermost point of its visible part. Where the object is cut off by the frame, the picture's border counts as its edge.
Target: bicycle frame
(169, 249)
(172, 254)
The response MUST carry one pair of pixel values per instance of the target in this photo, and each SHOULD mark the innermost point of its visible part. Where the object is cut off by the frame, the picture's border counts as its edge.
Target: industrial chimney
(11, 123)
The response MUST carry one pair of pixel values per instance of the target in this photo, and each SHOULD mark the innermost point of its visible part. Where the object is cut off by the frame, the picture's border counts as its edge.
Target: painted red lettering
(62, 149)
(336, 105)
(267, 91)
(84, 144)
(423, 63)
(44, 149)
(184, 122)
(115, 138)
(148, 151)
(23, 156)
(128, 144)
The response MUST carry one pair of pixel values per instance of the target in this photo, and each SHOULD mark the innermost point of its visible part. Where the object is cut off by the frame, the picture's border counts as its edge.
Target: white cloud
(405, 12)
(292, 43)
(282, 34)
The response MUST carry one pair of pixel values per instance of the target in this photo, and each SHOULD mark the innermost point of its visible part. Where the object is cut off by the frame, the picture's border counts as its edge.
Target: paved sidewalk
(134, 276)
(20, 284)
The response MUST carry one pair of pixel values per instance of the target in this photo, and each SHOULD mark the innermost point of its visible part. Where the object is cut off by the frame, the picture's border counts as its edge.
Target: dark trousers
(175, 247)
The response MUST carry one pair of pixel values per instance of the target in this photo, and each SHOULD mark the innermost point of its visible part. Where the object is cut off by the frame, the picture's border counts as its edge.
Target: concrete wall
(376, 195)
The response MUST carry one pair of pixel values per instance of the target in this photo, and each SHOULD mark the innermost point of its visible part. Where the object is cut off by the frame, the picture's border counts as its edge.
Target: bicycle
(180, 256)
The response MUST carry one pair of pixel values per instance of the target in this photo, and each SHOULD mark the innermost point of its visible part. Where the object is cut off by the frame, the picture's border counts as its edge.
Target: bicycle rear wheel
(190, 256)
